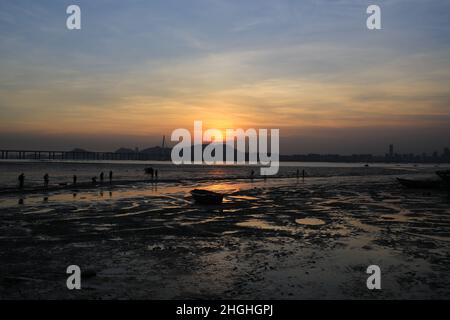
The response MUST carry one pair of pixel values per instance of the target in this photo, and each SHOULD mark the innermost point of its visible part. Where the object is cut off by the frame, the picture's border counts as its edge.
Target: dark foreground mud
(270, 240)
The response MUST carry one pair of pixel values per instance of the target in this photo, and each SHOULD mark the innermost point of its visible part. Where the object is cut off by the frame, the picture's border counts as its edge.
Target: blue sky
(139, 69)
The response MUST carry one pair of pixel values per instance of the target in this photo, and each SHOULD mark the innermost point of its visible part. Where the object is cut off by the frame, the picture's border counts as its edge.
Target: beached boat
(444, 175)
(419, 184)
(206, 196)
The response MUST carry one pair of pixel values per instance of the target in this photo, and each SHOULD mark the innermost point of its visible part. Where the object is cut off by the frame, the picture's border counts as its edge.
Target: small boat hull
(206, 196)
(419, 184)
(444, 175)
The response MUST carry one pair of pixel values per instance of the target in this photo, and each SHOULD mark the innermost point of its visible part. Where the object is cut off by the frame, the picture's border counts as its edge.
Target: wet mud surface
(284, 239)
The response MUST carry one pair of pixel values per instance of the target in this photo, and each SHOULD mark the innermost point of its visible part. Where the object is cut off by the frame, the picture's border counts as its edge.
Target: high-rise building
(391, 150)
(446, 155)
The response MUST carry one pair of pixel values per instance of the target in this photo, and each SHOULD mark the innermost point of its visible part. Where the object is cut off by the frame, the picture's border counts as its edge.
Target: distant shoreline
(293, 163)
(119, 183)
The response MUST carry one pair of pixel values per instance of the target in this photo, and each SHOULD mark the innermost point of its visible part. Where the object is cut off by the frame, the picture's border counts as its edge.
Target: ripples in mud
(265, 238)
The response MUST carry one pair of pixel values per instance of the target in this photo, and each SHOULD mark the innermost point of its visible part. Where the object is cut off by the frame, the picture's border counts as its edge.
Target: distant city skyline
(372, 144)
(139, 69)
(391, 154)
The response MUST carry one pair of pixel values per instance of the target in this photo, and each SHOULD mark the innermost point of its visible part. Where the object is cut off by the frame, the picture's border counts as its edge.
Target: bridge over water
(77, 155)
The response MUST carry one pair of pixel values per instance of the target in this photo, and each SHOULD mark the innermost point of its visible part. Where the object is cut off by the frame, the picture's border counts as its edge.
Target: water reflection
(310, 221)
(265, 225)
(142, 190)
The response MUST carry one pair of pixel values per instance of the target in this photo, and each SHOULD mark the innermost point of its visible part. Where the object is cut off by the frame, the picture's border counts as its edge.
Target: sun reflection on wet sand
(136, 191)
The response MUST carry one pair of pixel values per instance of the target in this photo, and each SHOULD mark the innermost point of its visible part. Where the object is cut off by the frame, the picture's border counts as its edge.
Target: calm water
(62, 172)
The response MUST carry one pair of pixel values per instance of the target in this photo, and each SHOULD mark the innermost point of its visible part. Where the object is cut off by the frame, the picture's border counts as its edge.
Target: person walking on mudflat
(46, 180)
(21, 180)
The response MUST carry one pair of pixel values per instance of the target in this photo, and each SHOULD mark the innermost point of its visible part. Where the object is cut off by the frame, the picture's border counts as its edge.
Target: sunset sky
(140, 69)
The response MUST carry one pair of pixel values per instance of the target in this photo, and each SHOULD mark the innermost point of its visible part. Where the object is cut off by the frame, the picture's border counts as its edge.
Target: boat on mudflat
(444, 175)
(206, 196)
(420, 184)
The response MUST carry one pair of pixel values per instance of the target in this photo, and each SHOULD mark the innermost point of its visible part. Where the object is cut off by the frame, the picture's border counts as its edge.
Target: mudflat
(275, 239)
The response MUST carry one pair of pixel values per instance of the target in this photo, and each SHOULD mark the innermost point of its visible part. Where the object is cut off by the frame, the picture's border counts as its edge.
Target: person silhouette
(156, 174)
(21, 180)
(102, 177)
(46, 180)
(252, 174)
(74, 179)
(110, 176)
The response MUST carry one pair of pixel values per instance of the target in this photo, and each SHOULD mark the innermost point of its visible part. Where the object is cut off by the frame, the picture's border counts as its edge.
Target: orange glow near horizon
(287, 104)
(128, 75)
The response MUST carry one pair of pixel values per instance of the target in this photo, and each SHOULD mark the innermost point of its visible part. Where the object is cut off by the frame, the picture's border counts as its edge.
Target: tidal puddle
(396, 218)
(310, 221)
(260, 224)
(243, 197)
